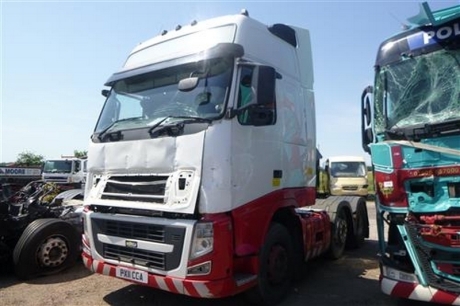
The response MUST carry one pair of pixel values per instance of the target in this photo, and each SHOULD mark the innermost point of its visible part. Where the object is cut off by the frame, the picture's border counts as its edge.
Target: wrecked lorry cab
(411, 129)
(40, 229)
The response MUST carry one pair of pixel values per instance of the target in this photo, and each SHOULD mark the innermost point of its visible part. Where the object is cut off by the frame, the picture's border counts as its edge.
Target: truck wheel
(46, 246)
(361, 224)
(339, 235)
(275, 268)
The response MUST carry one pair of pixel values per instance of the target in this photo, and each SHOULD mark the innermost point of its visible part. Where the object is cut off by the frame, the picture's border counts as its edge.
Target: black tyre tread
(260, 295)
(32, 227)
(23, 258)
(335, 252)
(359, 236)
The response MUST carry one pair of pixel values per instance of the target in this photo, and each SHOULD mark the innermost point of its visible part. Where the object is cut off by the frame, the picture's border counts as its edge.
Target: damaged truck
(40, 228)
(412, 133)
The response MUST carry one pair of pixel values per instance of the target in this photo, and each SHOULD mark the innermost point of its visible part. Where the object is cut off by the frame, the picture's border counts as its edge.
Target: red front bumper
(195, 288)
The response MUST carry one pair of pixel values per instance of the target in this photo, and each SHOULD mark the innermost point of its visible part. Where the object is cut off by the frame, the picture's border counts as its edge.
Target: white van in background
(347, 175)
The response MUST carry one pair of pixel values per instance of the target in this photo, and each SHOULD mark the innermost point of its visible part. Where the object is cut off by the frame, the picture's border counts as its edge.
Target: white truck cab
(203, 152)
(65, 170)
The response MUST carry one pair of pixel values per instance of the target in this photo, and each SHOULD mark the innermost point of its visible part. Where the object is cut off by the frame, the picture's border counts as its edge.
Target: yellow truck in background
(347, 175)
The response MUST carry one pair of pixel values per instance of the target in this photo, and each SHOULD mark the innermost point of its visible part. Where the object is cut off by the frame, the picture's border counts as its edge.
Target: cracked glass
(418, 90)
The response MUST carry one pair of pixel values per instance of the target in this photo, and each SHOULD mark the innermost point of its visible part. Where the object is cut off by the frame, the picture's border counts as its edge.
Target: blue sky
(56, 56)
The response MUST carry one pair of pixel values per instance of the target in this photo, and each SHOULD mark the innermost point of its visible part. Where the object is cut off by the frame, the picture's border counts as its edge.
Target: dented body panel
(203, 154)
(413, 137)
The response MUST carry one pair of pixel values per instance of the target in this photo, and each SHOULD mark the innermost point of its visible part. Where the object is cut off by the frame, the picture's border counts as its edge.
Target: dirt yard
(351, 280)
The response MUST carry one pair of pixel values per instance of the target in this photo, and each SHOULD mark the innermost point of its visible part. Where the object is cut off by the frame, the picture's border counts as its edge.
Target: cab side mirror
(266, 80)
(367, 135)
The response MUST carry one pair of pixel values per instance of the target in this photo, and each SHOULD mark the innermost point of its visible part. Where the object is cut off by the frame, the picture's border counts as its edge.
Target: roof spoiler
(428, 17)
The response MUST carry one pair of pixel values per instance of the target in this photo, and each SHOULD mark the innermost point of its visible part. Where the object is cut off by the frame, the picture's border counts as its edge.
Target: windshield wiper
(395, 134)
(179, 125)
(438, 129)
(104, 131)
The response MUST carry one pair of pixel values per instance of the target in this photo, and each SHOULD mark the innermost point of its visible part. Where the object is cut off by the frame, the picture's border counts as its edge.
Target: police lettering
(441, 33)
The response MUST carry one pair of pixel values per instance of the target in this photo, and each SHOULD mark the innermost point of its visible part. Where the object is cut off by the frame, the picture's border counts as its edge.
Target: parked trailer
(412, 132)
(207, 185)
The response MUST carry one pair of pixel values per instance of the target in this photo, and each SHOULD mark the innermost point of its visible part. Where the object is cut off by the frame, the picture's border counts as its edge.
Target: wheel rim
(341, 233)
(277, 264)
(53, 252)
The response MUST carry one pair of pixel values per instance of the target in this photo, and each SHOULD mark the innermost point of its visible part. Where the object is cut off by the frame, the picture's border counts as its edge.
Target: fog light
(201, 269)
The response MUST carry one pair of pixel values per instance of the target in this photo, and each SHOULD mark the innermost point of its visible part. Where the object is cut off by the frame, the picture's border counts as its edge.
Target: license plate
(132, 275)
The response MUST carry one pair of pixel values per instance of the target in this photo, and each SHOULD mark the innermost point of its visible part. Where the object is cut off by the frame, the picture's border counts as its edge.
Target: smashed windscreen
(418, 90)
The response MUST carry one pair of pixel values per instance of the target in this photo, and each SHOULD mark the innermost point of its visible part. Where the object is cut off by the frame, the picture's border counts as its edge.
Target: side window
(261, 114)
(246, 93)
(77, 166)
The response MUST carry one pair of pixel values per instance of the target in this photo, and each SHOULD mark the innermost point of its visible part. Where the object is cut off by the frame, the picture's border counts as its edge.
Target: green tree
(80, 154)
(28, 159)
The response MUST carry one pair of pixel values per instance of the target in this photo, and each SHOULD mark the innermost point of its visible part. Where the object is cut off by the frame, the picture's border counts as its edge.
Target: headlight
(203, 239)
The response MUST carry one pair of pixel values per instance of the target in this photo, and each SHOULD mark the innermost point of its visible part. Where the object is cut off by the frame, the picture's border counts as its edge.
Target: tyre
(46, 246)
(361, 227)
(275, 268)
(339, 235)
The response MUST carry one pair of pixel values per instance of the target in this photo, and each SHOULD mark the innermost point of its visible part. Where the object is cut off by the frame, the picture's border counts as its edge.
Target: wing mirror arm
(232, 113)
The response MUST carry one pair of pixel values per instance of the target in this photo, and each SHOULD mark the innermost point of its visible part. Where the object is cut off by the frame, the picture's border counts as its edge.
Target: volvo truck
(411, 128)
(202, 167)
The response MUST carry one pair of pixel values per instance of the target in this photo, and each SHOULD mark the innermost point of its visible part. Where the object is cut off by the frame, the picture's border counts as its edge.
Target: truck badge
(130, 244)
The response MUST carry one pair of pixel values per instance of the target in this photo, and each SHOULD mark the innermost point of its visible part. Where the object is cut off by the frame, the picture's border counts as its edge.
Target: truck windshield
(348, 169)
(144, 100)
(418, 90)
(57, 166)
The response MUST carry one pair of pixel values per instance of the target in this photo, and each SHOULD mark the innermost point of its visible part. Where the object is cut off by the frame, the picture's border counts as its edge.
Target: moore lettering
(11, 171)
(15, 171)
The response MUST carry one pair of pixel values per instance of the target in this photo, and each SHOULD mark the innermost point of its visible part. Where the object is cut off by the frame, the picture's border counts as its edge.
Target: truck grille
(350, 187)
(134, 256)
(136, 188)
(171, 235)
(56, 179)
(426, 255)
